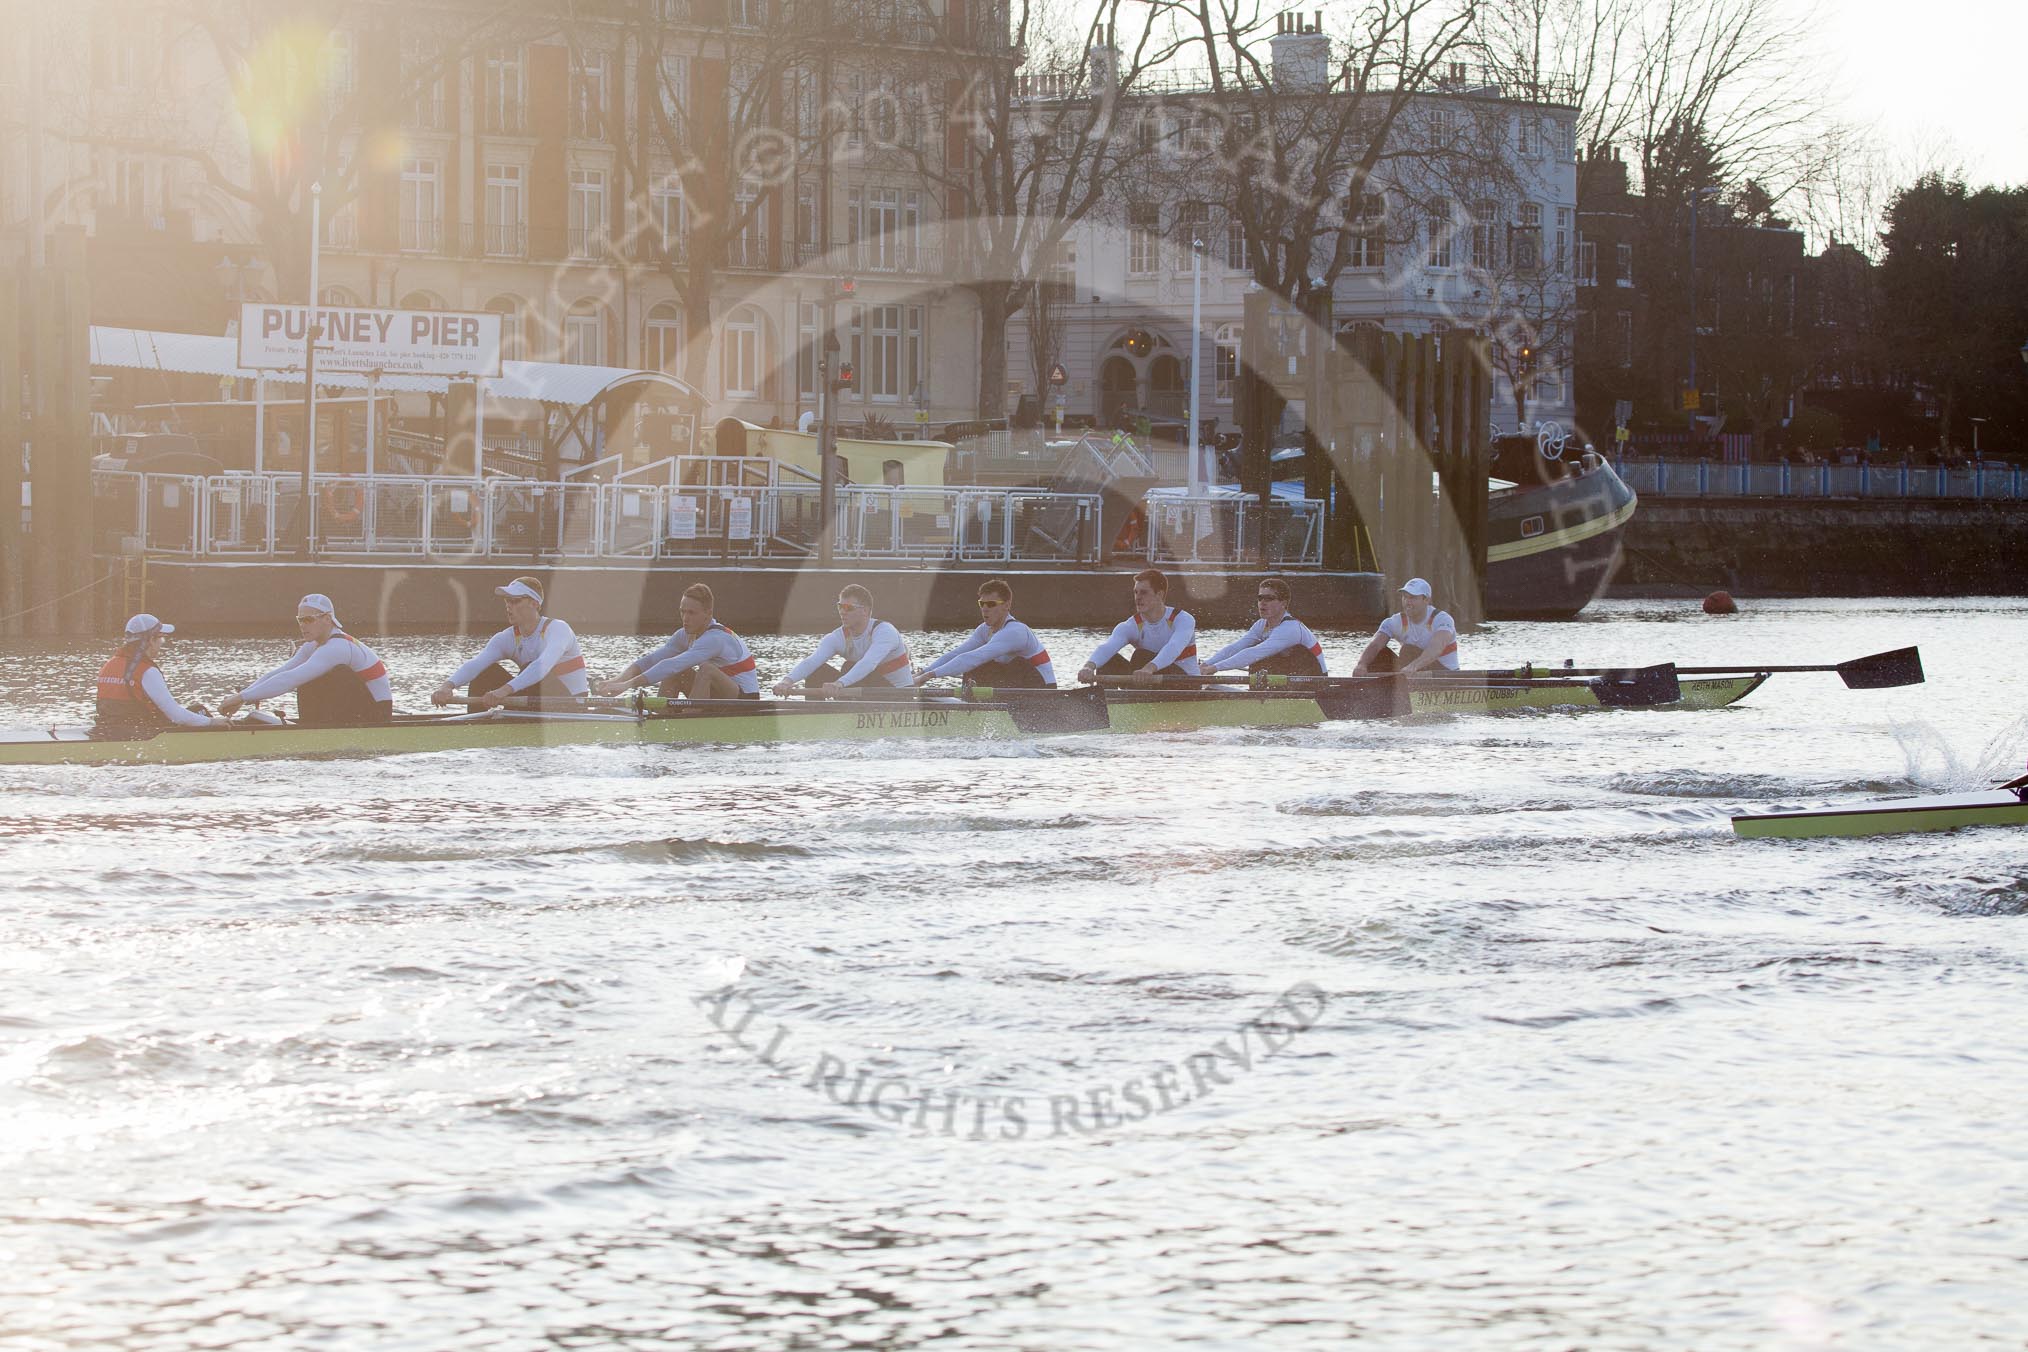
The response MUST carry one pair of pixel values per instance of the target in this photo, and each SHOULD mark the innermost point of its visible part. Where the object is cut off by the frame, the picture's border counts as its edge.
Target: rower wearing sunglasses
(339, 681)
(867, 652)
(1002, 652)
(543, 649)
(1279, 644)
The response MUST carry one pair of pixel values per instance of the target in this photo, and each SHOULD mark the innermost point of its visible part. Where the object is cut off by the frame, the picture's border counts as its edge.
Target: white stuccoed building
(1433, 244)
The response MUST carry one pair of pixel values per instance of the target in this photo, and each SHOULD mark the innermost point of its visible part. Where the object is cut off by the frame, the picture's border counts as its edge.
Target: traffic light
(1140, 342)
(1527, 356)
(846, 376)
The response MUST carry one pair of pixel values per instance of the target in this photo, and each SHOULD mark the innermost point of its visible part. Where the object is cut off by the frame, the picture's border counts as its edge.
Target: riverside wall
(381, 597)
(1824, 547)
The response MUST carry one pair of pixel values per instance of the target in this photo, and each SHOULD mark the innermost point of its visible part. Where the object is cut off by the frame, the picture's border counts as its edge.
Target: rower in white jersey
(1428, 637)
(543, 648)
(1002, 652)
(1163, 637)
(1278, 644)
(339, 681)
(868, 652)
(720, 659)
(133, 699)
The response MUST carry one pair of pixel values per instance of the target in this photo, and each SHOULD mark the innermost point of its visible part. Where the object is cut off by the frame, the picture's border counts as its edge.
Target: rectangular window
(1561, 258)
(584, 339)
(1587, 263)
(742, 356)
(588, 97)
(666, 216)
(1367, 246)
(422, 206)
(505, 98)
(423, 78)
(1623, 338)
(587, 212)
(1527, 245)
(809, 223)
(1144, 229)
(808, 336)
(1235, 244)
(664, 346)
(1440, 230)
(506, 209)
(1193, 224)
(881, 379)
(914, 376)
(675, 83)
(1486, 235)
(1225, 364)
(747, 13)
(1527, 134)
(1623, 260)
(1440, 128)
(749, 248)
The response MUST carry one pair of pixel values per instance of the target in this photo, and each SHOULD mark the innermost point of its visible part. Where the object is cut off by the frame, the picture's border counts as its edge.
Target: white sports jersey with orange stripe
(717, 645)
(1013, 641)
(877, 654)
(550, 651)
(1438, 630)
(316, 659)
(1173, 640)
(1260, 643)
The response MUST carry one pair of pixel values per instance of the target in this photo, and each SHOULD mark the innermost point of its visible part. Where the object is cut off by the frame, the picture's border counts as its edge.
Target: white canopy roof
(200, 354)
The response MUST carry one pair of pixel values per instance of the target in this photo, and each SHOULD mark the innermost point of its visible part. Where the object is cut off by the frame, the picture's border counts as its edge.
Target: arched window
(338, 295)
(584, 334)
(513, 328)
(422, 300)
(662, 341)
(743, 353)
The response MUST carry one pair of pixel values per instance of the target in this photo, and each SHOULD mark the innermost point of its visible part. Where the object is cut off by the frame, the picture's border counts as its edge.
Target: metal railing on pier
(1228, 529)
(1747, 479)
(242, 516)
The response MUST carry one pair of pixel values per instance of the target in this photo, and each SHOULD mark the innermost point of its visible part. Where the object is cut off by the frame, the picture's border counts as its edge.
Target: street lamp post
(311, 333)
(1196, 477)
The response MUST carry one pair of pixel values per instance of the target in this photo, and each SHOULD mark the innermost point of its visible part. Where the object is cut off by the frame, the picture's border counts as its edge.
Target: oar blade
(1881, 671)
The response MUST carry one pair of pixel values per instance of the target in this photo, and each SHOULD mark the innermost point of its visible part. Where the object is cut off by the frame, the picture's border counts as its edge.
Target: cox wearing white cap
(1428, 637)
(544, 650)
(339, 681)
(133, 699)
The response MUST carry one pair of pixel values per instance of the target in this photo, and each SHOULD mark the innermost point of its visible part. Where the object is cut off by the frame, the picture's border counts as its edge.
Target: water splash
(1935, 761)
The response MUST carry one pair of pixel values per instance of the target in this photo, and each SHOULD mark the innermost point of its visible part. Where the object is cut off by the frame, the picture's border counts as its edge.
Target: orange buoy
(1720, 603)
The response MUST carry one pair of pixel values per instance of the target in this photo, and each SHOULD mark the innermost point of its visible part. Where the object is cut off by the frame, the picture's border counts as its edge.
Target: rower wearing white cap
(543, 648)
(1278, 644)
(1163, 637)
(721, 659)
(339, 681)
(1428, 636)
(869, 652)
(134, 700)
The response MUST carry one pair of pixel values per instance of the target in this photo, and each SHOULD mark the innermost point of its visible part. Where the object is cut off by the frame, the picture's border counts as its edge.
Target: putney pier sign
(368, 341)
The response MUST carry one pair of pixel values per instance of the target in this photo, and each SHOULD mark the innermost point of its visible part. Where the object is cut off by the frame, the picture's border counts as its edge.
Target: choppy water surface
(1476, 1032)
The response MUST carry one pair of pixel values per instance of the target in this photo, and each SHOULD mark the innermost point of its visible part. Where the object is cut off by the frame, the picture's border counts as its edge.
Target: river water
(1472, 1032)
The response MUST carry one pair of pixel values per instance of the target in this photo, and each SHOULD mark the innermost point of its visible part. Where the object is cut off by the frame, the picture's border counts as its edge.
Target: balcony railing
(895, 254)
(422, 236)
(588, 242)
(504, 118)
(504, 241)
(425, 114)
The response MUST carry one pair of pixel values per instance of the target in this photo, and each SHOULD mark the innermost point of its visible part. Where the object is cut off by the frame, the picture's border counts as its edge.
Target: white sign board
(682, 518)
(739, 518)
(392, 342)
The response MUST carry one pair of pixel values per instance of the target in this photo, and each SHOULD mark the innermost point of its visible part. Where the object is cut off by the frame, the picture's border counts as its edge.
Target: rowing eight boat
(985, 713)
(1944, 812)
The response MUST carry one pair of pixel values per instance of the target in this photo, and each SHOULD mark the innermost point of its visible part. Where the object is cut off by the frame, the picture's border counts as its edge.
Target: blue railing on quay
(1749, 479)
